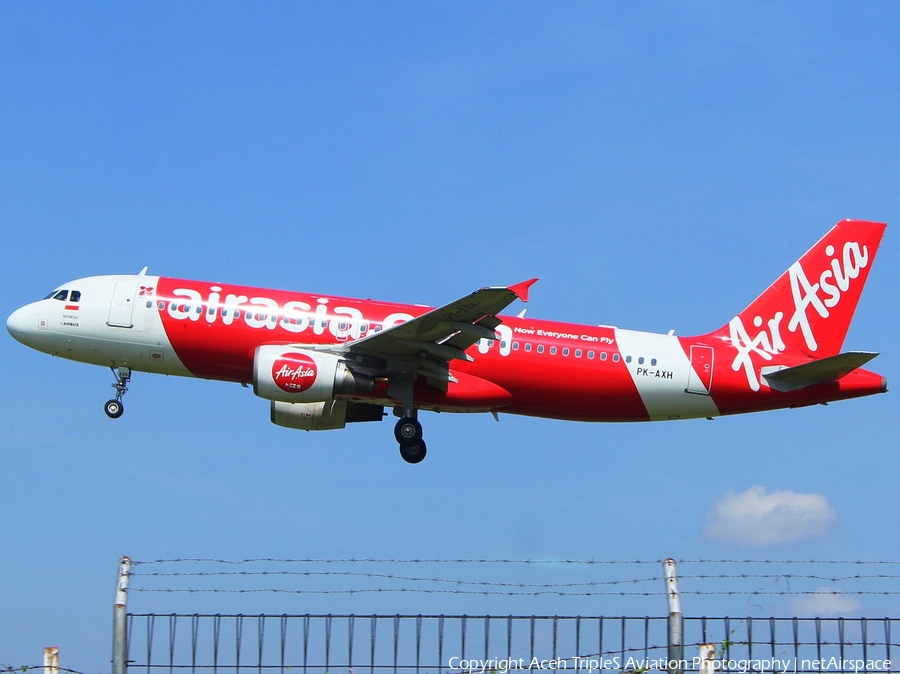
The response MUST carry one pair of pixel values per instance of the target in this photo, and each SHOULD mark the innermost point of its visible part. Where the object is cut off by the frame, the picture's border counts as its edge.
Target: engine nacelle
(324, 416)
(295, 375)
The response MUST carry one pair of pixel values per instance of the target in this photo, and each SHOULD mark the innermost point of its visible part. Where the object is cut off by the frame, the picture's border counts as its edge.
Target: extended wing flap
(483, 329)
(817, 371)
(451, 328)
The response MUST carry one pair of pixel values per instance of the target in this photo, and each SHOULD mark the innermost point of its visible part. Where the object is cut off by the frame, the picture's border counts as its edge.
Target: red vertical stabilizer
(808, 310)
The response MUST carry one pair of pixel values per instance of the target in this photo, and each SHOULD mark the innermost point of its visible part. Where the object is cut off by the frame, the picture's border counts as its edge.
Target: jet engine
(296, 375)
(324, 416)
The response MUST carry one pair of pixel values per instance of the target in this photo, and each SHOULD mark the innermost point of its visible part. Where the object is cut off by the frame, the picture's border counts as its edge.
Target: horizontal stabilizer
(815, 372)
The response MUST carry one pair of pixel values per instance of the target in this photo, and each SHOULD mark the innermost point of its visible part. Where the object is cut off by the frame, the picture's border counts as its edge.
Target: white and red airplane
(326, 361)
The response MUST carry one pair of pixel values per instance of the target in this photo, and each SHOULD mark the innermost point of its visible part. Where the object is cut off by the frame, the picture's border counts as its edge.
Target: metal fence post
(120, 636)
(51, 660)
(708, 659)
(676, 620)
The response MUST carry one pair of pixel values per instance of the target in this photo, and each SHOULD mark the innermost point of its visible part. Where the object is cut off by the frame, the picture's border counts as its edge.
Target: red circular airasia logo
(294, 372)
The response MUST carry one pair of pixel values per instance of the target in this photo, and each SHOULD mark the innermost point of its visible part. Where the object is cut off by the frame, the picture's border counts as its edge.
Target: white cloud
(825, 601)
(757, 517)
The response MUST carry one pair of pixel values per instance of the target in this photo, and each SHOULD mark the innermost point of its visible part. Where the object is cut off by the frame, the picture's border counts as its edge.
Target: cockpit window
(64, 296)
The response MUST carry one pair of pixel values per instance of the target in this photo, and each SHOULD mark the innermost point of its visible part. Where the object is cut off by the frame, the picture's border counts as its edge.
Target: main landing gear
(114, 407)
(408, 432)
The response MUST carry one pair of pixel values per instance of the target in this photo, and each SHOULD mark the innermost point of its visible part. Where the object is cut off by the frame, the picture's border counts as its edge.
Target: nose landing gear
(114, 407)
(408, 433)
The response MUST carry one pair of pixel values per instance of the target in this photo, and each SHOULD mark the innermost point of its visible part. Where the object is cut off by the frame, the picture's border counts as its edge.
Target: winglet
(521, 289)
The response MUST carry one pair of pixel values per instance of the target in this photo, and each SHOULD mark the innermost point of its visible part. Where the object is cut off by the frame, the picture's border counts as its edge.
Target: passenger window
(552, 350)
(627, 359)
(61, 295)
(199, 308)
(590, 354)
(237, 313)
(653, 361)
(211, 311)
(578, 353)
(160, 305)
(224, 313)
(502, 343)
(515, 346)
(566, 351)
(528, 346)
(641, 360)
(603, 355)
(615, 358)
(540, 348)
(149, 304)
(377, 328)
(75, 296)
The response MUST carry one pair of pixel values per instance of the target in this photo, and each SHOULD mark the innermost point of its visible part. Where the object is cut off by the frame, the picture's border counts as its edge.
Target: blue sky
(656, 165)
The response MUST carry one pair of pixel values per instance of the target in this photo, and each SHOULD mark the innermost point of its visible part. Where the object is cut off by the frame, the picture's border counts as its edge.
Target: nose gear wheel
(114, 408)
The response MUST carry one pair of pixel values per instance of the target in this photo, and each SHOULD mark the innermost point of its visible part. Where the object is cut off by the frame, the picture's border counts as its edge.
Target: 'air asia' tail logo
(821, 297)
(294, 372)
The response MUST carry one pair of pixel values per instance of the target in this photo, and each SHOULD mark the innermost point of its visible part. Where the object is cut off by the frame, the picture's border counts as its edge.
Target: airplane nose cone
(18, 324)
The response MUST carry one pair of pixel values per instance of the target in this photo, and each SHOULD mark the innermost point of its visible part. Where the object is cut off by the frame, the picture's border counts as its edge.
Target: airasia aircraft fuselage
(325, 361)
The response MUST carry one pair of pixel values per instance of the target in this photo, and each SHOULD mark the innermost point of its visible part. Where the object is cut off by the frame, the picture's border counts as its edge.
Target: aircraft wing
(448, 331)
(426, 344)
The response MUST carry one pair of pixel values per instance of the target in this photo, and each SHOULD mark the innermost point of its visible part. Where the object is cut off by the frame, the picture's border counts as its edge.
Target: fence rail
(451, 644)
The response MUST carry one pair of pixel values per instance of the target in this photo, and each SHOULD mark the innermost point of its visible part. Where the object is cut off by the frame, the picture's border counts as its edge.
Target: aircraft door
(700, 377)
(122, 304)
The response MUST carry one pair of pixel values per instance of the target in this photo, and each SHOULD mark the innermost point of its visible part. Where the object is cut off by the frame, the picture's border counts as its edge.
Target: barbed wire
(558, 593)
(385, 560)
(9, 669)
(731, 645)
(506, 588)
(588, 562)
(790, 561)
(388, 576)
(410, 590)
